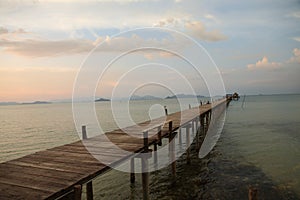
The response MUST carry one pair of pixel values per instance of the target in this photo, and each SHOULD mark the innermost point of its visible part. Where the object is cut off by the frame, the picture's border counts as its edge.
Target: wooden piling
(197, 132)
(146, 143)
(172, 155)
(145, 178)
(207, 120)
(180, 137)
(202, 124)
(89, 191)
(84, 135)
(159, 136)
(77, 192)
(188, 159)
(155, 156)
(193, 127)
(132, 174)
(145, 173)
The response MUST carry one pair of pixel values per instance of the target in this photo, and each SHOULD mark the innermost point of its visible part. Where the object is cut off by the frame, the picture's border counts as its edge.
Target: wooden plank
(65, 163)
(54, 166)
(9, 192)
(17, 175)
(125, 146)
(35, 171)
(34, 182)
(91, 150)
(109, 145)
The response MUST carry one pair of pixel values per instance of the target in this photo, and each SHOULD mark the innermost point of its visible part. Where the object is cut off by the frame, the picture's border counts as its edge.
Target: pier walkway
(61, 172)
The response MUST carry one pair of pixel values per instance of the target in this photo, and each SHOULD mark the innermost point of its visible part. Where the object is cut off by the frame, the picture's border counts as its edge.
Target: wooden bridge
(60, 172)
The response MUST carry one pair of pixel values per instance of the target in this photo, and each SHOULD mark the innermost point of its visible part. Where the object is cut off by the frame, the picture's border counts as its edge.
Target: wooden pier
(61, 172)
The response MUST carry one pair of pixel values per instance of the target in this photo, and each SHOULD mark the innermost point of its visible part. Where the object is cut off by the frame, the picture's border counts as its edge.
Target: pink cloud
(264, 64)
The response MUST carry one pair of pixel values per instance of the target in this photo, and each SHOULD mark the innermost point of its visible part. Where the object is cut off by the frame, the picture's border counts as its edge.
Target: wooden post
(252, 193)
(89, 191)
(145, 178)
(188, 159)
(159, 136)
(193, 128)
(170, 127)
(180, 138)
(132, 174)
(155, 155)
(172, 149)
(169, 136)
(77, 192)
(84, 135)
(197, 132)
(202, 125)
(207, 120)
(145, 173)
(173, 157)
(146, 144)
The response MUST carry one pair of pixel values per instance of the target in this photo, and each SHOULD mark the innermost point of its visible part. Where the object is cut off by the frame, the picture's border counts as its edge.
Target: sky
(46, 46)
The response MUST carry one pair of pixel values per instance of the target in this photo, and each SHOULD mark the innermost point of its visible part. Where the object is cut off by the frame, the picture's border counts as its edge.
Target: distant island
(181, 96)
(9, 103)
(36, 102)
(101, 99)
(146, 97)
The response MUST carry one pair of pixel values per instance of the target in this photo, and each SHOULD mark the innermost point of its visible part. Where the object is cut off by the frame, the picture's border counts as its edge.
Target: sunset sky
(255, 44)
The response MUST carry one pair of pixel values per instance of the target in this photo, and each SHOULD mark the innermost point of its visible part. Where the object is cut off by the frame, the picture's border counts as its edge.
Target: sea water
(259, 147)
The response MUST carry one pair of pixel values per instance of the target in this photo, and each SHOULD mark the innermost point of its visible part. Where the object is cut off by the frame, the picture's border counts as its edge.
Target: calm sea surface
(259, 147)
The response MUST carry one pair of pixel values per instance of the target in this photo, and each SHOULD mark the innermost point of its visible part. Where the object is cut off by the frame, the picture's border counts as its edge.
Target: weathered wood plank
(34, 182)
(54, 166)
(9, 192)
(90, 150)
(35, 171)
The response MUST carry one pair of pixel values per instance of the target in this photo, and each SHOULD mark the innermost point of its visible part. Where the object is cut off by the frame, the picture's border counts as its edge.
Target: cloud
(168, 22)
(193, 27)
(296, 57)
(295, 15)
(41, 48)
(14, 35)
(49, 48)
(296, 39)
(198, 30)
(151, 55)
(210, 17)
(3, 30)
(264, 64)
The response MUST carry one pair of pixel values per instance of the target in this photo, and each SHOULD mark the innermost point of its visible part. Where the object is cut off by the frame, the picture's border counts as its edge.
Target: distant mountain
(180, 96)
(146, 97)
(101, 99)
(79, 100)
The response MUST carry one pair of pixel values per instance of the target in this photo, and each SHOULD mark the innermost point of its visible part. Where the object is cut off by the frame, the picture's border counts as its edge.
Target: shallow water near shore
(259, 147)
